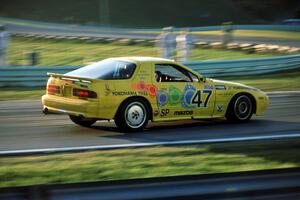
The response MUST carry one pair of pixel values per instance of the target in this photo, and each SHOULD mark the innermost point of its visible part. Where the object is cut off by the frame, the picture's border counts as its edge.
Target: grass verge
(16, 93)
(284, 81)
(71, 52)
(148, 162)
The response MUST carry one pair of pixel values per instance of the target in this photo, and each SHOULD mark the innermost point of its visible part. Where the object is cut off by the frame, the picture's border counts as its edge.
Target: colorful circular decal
(152, 90)
(188, 94)
(162, 98)
(142, 85)
(174, 95)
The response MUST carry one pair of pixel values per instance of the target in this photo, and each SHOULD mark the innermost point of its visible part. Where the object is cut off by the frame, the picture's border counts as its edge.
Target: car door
(181, 95)
(175, 88)
(199, 95)
(204, 99)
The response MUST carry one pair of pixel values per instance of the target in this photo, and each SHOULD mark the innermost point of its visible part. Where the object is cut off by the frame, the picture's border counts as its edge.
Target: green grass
(147, 162)
(76, 53)
(285, 81)
(72, 53)
(15, 93)
(283, 35)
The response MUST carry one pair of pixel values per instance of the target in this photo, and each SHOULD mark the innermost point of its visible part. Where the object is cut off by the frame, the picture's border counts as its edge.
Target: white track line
(151, 144)
(283, 92)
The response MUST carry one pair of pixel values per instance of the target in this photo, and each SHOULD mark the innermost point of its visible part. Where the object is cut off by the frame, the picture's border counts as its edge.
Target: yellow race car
(134, 90)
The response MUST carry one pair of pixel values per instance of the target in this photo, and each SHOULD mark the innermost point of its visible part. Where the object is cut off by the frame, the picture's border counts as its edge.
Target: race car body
(133, 90)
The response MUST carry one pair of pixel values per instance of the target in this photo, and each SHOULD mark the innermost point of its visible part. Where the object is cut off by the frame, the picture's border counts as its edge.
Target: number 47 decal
(198, 100)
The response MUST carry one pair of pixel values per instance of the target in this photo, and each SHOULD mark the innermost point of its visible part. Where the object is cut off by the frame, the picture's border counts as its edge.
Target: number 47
(198, 100)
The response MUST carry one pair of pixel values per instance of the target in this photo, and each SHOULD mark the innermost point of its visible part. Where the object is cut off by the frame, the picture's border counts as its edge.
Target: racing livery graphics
(134, 90)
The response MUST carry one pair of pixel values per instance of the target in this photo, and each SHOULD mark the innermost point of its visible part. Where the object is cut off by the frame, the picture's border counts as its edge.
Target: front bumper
(262, 104)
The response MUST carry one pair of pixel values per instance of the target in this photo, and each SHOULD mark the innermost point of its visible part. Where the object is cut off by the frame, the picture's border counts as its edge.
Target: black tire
(82, 121)
(133, 115)
(240, 109)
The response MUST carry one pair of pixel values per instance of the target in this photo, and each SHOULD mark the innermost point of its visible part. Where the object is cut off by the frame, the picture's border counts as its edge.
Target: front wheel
(240, 109)
(82, 121)
(132, 116)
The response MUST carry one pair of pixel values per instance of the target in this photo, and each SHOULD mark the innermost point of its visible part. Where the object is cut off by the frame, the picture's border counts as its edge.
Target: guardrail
(37, 75)
(29, 75)
(245, 67)
(263, 184)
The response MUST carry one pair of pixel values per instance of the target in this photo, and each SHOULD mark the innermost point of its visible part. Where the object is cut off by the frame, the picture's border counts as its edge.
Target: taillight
(53, 89)
(84, 93)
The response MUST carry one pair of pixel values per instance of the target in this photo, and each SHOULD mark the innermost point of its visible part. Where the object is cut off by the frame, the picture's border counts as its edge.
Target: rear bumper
(77, 107)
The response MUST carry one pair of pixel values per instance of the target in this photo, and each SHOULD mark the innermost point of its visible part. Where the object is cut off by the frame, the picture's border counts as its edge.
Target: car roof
(137, 59)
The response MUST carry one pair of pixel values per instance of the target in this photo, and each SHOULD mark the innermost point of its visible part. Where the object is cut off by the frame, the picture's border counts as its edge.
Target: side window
(170, 73)
(106, 70)
(123, 70)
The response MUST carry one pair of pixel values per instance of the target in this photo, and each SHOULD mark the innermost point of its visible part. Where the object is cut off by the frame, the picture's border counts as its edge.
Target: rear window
(106, 70)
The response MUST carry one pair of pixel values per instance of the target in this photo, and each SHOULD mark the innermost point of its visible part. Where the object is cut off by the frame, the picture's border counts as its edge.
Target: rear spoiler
(71, 78)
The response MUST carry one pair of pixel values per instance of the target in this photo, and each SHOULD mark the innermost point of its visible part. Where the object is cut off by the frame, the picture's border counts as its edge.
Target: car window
(106, 70)
(171, 73)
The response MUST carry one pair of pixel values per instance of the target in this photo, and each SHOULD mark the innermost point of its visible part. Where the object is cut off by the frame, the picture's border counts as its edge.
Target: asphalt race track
(24, 127)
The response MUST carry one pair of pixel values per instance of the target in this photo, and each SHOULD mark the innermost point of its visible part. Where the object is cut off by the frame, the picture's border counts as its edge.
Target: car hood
(229, 83)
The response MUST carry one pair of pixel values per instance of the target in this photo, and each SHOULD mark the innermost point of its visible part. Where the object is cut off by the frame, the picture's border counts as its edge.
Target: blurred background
(155, 13)
(252, 42)
(110, 28)
(77, 33)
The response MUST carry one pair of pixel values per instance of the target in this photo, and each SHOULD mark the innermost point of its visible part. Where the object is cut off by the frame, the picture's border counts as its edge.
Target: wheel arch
(252, 98)
(137, 98)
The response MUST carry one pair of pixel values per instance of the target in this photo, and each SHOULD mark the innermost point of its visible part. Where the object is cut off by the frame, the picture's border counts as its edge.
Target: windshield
(106, 70)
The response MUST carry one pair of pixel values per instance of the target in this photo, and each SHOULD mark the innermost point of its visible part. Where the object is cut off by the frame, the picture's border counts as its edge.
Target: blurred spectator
(227, 33)
(33, 58)
(185, 42)
(167, 43)
(4, 42)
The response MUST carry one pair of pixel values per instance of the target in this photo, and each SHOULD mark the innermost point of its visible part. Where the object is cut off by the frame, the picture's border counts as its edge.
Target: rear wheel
(133, 115)
(82, 121)
(240, 108)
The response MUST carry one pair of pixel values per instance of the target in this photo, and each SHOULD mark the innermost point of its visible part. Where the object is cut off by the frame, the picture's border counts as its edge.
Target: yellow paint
(111, 94)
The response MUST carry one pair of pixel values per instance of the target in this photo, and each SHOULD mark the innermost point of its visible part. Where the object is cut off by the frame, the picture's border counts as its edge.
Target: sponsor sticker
(183, 112)
(220, 108)
(164, 112)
